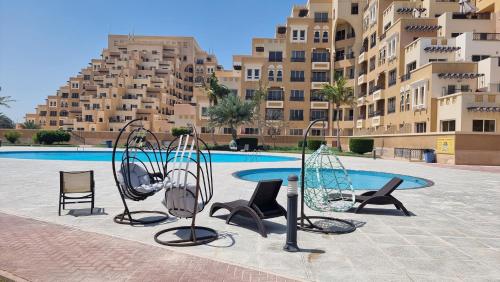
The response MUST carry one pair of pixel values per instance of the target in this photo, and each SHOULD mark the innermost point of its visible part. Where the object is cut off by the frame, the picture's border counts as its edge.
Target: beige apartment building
(416, 67)
(136, 77)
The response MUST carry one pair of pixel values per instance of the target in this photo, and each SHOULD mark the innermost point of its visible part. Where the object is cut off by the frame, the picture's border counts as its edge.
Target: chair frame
(131, 194)
(87, 198)
(250, 209)
(201, 174)
(304, 221)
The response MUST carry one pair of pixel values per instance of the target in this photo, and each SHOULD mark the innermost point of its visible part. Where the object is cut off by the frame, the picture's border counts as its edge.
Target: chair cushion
(139, 179)
(180, 200)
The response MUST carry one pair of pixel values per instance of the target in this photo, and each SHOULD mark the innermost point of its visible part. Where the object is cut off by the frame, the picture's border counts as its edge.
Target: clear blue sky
(43, 43)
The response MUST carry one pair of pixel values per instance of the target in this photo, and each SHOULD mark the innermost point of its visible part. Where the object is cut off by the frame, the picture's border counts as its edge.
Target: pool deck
(453, 235)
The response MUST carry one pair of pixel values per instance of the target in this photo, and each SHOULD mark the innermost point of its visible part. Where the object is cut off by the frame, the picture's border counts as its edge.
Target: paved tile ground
(453, 235)
(40, 251)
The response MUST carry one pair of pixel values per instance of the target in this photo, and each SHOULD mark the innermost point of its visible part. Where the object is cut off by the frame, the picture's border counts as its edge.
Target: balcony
(317, 85)
(377, 94)
(274, 104)
(319, 105)
(486, 36)
(362, 57)
(377, 121)
(360, 123)
(361, 100)
(362, 79)
(321, 65)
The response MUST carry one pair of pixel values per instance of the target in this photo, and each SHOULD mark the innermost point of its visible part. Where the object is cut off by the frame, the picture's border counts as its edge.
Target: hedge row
(360, 145)
(312, 144)
(49, 137)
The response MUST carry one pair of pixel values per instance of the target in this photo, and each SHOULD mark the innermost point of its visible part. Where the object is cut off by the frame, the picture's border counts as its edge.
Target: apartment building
(136, 77)
(414, 66)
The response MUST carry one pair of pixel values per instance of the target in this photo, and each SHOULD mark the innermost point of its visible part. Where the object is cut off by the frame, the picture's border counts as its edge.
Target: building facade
(415, 67)
(136, 77)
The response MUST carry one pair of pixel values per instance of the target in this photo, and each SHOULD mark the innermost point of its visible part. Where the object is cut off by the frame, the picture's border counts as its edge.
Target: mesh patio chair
(138, 171)
(190, 189)
(80, 183)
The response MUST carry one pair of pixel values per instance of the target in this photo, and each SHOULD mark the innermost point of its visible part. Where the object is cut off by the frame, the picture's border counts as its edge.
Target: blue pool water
(105, 156)
(361, 179)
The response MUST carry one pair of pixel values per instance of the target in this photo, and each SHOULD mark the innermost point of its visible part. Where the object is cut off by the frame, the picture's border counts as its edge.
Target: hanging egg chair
(324, 181)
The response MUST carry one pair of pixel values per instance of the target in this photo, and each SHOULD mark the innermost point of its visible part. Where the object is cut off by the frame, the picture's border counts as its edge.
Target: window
(350, 73)
(275, 95)
(249, 93)
(279, 75)
(320, 76)
(297, 76)
(373, 40)
(372, 63)
(298, 56)
(270, 75)
(205, 129)
(350, 115)
(253, 131)
(64, 95)
(88, 118)
(297, 95)
(411, 66)
(75, 95)
(339, 73)
(317, 132)
(320, 56)
(75, 85)
(420, 127)
(477, 58)
(296, 131)
(298, 35)
(316, 36)
(339, 55)
(340, 35)
(447, 125)
(319, 114)
(204, 111)
(227, 130)
(274, 114)
(392, 77)
(354, 8)
(53, 123)
(259, 49)
(455, 34)
(483, 125)
(325, 37)
(296, 115)
(316, 96)
(275, 56)
(391, 47)
(253, 74)
(337, 115)
(391, 105)
(321, 17)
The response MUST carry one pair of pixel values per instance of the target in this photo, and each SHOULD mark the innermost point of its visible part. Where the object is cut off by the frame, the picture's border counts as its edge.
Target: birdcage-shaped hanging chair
(138, 171)
(189, 170)
(324, 180)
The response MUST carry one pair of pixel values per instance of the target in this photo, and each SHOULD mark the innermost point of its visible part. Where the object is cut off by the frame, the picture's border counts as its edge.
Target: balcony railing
(486, 36)
(405, 77)
(478, 16)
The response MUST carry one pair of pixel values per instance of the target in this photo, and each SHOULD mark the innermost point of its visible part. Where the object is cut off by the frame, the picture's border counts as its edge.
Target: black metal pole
(291, 218)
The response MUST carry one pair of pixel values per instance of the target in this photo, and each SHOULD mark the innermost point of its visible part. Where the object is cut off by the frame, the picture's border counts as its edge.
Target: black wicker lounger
(261, 206)
(380, 197)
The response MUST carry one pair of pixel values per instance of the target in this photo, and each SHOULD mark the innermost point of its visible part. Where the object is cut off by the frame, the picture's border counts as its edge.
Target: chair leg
(361, 206)
(92, 205)
(253, 215)
(59, 204)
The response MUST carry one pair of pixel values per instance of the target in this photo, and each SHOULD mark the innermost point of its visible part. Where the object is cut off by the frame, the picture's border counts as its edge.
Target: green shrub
(360, 145)
(252, 142)
(178, 131)
(49, 137)
(315, 144)
(300, 143)
(12, 136)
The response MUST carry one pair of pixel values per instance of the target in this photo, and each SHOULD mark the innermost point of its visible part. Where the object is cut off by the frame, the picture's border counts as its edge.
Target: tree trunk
(234, 134)
(214, 141)
(339, 147)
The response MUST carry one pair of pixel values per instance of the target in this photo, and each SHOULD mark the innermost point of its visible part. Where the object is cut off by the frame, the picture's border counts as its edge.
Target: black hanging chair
(189, 190)
(138, 172)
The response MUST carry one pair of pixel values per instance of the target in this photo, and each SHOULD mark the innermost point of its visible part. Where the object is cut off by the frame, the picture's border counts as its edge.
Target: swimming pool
(361, 179)
(105, 156)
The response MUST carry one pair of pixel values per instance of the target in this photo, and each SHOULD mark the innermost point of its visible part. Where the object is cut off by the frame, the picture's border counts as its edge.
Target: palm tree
(30, 125)
(231, 112)
(5, 100)
(215, 92)
(6, 122)
(260, 96)
(338, 94)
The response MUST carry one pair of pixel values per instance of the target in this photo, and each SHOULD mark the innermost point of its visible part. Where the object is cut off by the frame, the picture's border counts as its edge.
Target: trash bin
(429, 156)
(109, 143)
